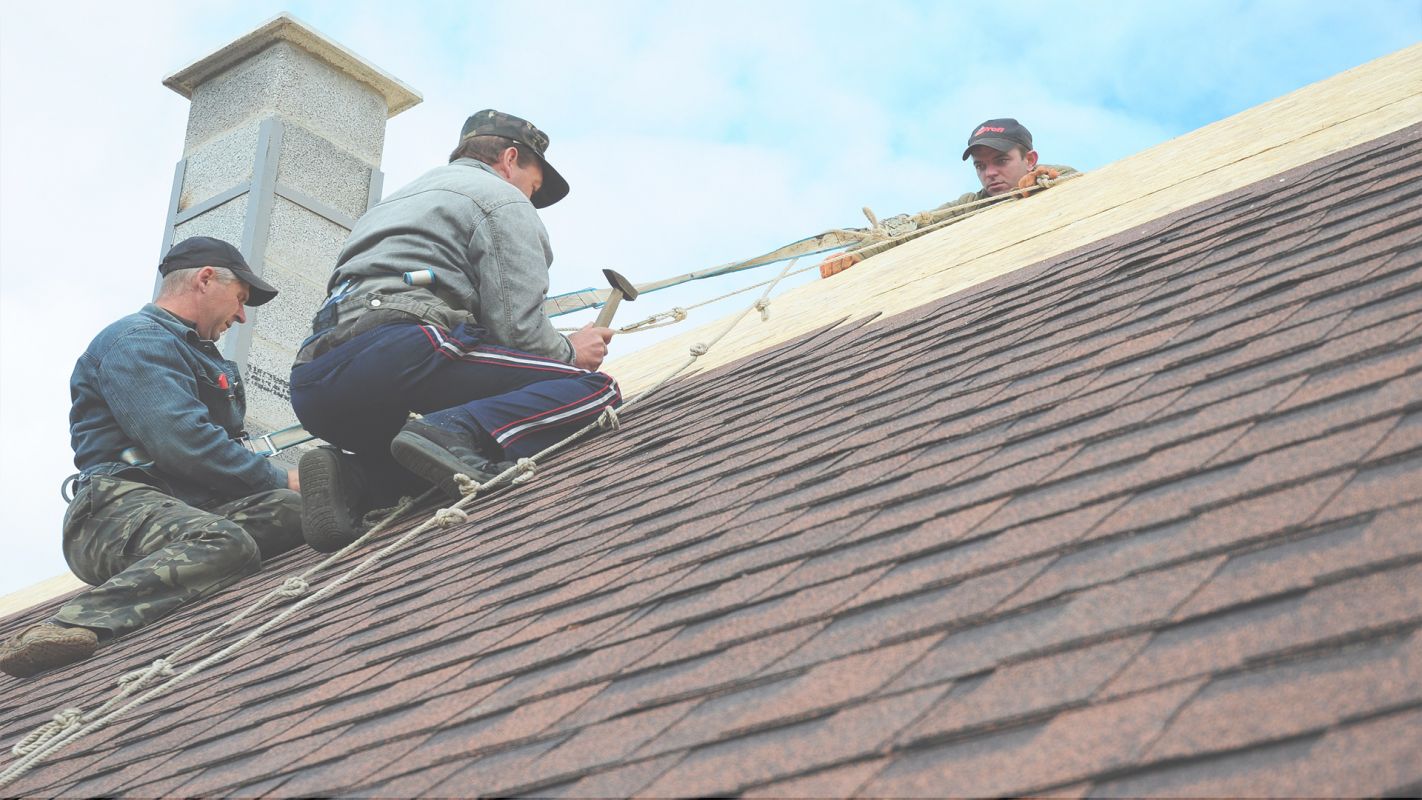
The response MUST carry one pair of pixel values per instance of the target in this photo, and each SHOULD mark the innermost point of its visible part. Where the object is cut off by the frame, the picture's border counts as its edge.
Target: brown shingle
(1072, 746)
(1274, 703)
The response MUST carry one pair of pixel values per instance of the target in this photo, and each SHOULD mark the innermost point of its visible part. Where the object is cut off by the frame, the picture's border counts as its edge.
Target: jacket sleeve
(513, 282)
(154, 396)
(963, 199)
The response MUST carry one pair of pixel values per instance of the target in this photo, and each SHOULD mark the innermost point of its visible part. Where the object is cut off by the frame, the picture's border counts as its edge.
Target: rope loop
(63, 721)
(699, 349)
(763, 306)
(295, 586)
(527, 468)
(466, 484)
(608, 420)
(446, 517)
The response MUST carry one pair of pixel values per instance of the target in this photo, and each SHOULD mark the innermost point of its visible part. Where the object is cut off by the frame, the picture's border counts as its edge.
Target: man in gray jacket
(436, 307)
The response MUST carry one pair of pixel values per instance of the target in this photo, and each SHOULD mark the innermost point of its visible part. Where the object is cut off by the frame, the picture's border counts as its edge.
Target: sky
(692, 133)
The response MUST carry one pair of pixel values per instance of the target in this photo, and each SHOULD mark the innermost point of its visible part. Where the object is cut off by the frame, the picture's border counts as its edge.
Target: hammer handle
(604, 317)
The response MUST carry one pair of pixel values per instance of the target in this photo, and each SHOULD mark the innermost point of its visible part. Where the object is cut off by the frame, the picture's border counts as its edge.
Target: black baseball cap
(205, 251)
(999, 134)
(496, 123)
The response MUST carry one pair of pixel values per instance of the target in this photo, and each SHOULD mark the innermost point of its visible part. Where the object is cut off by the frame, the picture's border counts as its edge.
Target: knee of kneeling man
(233, 548)
(288, 505)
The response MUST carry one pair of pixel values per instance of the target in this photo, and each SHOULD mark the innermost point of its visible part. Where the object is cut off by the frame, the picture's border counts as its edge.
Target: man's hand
(293, 480)
(590, 346)
(838, 263)
(1030, 179)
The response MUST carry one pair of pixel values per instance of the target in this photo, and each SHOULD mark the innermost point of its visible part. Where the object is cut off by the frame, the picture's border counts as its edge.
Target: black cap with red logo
(999, 134)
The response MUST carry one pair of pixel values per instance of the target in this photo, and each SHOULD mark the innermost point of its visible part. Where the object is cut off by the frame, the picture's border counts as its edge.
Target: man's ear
(205, 276)
(1031, 158)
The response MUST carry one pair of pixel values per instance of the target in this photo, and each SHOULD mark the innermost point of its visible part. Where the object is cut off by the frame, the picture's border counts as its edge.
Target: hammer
(621, 287)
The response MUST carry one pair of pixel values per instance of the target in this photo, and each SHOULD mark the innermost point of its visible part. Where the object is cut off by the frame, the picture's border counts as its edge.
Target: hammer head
(621, 284)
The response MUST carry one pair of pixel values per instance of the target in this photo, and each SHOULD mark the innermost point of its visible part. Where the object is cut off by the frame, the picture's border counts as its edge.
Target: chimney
(282, 155)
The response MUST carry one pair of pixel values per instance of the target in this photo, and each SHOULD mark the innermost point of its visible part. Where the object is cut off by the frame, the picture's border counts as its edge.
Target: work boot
(437, 454)
(44, 647)
(334, 499)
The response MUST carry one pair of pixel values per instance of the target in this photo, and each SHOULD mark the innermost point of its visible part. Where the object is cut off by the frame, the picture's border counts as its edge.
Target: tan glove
(836, 264)
(1030, 179)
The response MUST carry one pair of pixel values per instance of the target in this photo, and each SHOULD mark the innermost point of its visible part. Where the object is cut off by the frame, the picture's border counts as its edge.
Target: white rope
(448, 517)
(295, 586)
(72, 724)
(61, 722)
(526, 468)
(467, 485)
(609, 421)
(141, 677)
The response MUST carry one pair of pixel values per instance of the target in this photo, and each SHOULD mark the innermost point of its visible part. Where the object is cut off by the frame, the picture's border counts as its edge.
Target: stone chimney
(282, 155)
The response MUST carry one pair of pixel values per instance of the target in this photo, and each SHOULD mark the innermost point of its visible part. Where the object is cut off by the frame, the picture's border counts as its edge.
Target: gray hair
(178, 281)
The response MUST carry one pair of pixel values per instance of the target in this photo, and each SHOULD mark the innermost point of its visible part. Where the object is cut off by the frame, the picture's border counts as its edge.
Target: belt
(266, 446)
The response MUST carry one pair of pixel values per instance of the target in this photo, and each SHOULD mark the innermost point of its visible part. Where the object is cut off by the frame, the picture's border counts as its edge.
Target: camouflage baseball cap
(999, 134)
(496, 123)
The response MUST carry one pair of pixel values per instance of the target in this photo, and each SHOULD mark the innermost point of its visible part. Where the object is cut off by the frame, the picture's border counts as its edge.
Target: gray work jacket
(482, 239)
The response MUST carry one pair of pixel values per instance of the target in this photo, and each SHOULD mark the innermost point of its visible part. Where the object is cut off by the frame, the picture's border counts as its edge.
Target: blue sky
(692, 134)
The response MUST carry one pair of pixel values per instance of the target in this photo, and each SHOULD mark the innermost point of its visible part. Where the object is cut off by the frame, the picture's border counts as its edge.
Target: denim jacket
(149, 381)
(480, 237)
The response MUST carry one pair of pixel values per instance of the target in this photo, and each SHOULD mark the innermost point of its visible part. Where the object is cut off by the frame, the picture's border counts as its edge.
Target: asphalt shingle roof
(1139, 519)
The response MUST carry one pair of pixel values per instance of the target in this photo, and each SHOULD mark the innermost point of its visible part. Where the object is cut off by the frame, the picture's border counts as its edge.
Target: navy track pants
(359, 394)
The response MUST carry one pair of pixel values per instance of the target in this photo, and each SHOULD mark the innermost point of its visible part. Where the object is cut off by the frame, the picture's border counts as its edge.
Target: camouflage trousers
(147, 552)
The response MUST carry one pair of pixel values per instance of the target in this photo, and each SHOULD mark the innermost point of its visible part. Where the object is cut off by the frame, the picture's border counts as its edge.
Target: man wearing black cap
(170, 506)
(436, 307)
(1002, 154)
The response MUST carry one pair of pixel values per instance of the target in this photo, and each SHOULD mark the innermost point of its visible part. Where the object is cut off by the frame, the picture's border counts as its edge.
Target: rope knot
(679, 314)
(763, 306)
(295, 586)
(160, 667)
(527, 467)
(466, 484)
(699, 349)
(63, 721)
(609, 420)
(445, 517)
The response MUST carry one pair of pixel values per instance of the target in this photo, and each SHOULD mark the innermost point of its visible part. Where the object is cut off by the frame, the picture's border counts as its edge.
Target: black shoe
(436, 455)
(333, 499)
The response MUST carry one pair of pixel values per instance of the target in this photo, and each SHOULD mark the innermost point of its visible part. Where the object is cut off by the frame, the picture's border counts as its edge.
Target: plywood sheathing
(1359, 105)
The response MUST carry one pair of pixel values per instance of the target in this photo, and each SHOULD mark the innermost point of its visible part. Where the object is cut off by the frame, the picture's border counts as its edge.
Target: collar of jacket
(179, 327)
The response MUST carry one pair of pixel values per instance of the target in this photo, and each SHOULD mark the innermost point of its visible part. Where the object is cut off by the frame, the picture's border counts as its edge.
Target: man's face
(527, 179)
(220, 306)
(999, 171)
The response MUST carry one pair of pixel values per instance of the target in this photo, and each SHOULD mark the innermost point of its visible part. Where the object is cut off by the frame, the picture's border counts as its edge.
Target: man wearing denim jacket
(170, 505)
(436, 307)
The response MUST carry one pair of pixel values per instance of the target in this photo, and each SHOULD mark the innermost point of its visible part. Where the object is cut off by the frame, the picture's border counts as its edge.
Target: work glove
(838, 263)
(1030, 179)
